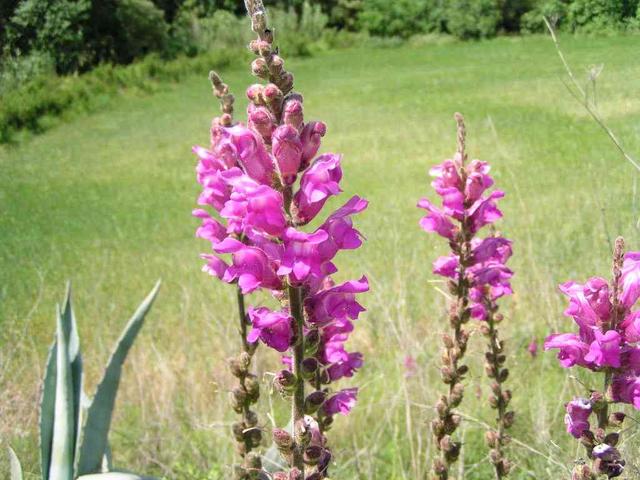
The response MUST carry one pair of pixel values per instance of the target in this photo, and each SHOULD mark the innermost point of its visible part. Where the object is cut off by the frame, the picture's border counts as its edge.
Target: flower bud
(462, 370)
(238, 431)
(253, 437)
(503, 375)
(286, 81)
(236, 368)
(295, 474)
(261, 120)
(302, 433)
(616, 418)
(259, 68)
(277, 65)
(441, 407)
(447, 375)
(282, 440)
(285, 380)
(251, 418)
(491, 437)
(484, 329)
(509, 418)
(252, 386)
(447, 340)
(311, 137)
(271, 94)
(490, 370)
(255, 93)
(280, 476)
(311, 342)
(293, 112)
(312, 454)
(287, 149)
(314, 401)
(456, 395)
(253, 461)
(493, 401)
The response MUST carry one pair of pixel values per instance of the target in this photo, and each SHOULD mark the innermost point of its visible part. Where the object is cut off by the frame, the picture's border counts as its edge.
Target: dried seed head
(312, 454)
(314, 401)
(282, 440)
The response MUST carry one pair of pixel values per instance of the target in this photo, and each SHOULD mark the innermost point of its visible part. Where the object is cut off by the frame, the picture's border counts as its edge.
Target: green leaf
(75, 359)
(62, 450)
(16, 468)
(47, 411)
(96, 429)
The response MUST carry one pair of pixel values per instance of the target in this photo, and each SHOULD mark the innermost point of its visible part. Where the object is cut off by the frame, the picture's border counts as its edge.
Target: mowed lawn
(105, 200)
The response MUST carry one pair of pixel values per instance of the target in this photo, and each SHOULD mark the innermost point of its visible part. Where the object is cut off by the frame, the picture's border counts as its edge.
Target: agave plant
(74, 429)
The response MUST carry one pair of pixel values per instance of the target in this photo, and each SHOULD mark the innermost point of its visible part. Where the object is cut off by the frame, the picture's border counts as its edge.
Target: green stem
(297, 407)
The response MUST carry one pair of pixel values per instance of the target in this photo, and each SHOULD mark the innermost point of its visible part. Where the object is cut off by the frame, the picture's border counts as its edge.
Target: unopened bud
(312, 454)
(238, 431)
(509, 418)
(282, 439)
(314, 401)
(253, 461)
(252, 385)
(309, 367)
(259, 68)
(503, 375)
(491, 437)
(255, 92)
(617, 418)
(271, 93)
(311, 342)
(447, 340)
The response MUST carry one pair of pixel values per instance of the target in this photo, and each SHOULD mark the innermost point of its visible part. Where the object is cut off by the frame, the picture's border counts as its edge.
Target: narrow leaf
(47, 411)
(64, 424)
(16, 468)
(96, 429)
(75, 359)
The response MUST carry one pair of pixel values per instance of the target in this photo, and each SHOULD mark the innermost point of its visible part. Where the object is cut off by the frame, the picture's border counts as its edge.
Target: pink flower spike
(341, 402)
(273, 328)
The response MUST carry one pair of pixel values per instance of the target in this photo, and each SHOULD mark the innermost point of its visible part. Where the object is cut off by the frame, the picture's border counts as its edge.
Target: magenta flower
(446, 266)
(572, 349)
(254, 208)
(251, 267)
(287, 149)
(214, 266)
(626, 389)
(605, 349)
(302, 255)
(341, 402)
(436, 221)
(249, 150)
(310, 137)
(577, 417)
(273, 328)
(336, 302)
(630, 279)
(491, 249)
(318, 183)
(211, 229)
(631, 327)
(485, 211)
(478, 180)
(345, 368)
(261, 120)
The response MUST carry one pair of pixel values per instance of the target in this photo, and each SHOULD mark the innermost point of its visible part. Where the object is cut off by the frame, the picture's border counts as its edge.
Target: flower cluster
(477, 277)
(606, 342)
(265, 181)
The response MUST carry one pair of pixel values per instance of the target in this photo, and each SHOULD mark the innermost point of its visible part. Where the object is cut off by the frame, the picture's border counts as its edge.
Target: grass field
(105, 201)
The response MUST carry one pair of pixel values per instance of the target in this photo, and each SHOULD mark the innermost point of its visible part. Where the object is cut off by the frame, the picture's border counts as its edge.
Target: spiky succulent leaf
(75, 359)
(96, 429)
(47, 411)
(16, 468)
(62, 448)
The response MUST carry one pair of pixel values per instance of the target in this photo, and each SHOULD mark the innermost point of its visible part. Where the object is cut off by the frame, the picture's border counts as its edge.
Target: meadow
(104, 200)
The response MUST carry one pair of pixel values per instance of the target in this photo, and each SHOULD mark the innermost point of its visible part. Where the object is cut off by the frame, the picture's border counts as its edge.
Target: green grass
(105, 201)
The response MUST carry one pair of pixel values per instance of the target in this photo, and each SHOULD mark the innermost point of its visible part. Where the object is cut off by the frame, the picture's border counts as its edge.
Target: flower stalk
(266, 182)
(606, 344)
(476, 275)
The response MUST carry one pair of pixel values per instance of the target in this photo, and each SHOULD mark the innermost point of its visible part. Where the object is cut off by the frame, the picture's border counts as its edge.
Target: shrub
(401, 18)
(142, 28)
(555, 10)
(297, 35)
(596, 16)
(19, 69)
(473, 19)
(52, 26)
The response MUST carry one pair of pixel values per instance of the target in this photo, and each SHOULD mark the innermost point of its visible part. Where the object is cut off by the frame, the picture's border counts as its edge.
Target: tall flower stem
(500, 397)
(297, 404)
(452, 370)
